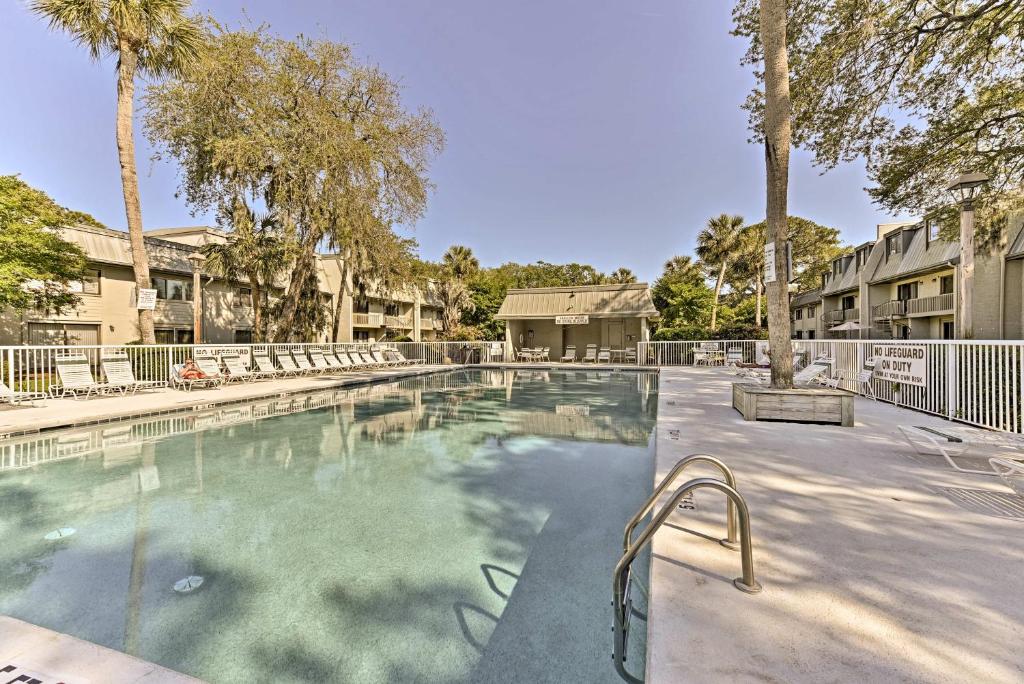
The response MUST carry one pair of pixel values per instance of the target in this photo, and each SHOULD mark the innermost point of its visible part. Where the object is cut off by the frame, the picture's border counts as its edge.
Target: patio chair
(570, 354)
(545, 354)
(368, 360)
(302, 362)
(211, 368)
(590, 354)
(734, 356)
(267, 367)
(319, 361)
(333, 362)
(187, 384)
(860, 379)
(16, 397)
(383, 362)
(956, 442)
(1011, 470)
(630, 355)
(76, 377)
(399, 356)
(605, 355)
(701, 357)
(238, 372)
(117, 368)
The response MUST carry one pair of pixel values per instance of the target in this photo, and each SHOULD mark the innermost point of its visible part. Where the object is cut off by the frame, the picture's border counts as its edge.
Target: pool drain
(60, 533)
(188, 584)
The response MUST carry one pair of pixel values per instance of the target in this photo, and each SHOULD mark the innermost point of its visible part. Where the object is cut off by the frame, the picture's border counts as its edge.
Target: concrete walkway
(56, 413)
(877, 564)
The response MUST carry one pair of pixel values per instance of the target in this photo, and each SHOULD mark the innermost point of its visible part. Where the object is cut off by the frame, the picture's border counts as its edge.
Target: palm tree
(716, 245)
(751, 250)
(777, 137)
(154, 38)
(681, 265)
(460, 262)
(255, 249)
(622, 275)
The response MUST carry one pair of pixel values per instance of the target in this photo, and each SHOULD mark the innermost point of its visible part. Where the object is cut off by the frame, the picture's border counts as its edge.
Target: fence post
(951, 381)
(10, 368)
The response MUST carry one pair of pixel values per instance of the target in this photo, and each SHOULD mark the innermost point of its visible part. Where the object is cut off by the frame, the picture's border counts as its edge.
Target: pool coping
(338, 383)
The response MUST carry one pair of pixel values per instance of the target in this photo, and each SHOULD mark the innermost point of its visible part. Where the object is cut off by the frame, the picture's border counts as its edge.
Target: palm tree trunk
(718, 291)
(758, 285)
(130, 182)
(336, 324)
(257, 307)
(777, 133)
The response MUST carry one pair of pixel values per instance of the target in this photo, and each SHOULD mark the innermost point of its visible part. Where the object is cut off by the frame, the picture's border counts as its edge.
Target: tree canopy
(305, 129)
(921, 90)
(37, 266)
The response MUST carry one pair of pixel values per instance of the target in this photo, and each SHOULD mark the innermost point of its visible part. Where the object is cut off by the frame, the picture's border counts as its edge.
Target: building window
(906, 291)
(243, 337)
(799, 334)
(173, 335)
(361, 335)
(946, 286)
(361, 306)
(848, 302)
(172, 289)
(933, 230)
(799, 314)
(811, 311)
(892, 245)
(243, 297)
(948, 330)
(810, 334)
(392, 309)
(89, 284)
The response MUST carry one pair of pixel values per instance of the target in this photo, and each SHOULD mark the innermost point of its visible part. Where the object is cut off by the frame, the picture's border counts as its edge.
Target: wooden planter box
(804, 405)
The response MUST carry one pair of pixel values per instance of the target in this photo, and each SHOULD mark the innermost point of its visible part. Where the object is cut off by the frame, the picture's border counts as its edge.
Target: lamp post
(964, 190)
(197, 259)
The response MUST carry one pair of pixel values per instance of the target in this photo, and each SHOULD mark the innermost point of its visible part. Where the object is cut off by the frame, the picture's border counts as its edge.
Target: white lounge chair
(570, 354)
(368, 361)
(237, 372)
(288, 365)
(590, 354)
(333, 362)
(117, 368)
(962, 442)
(17, 397)
(302, 362)
(733, 356)
(211, 368)
(381, 361)
(76, 377)
(630, 355)
(399, 358)
(188, 383)
(267, 367)
(319, 361)
(604, 355)
(813, 373)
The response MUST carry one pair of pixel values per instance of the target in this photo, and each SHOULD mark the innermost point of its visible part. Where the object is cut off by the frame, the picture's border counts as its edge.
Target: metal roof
(1016, 250)
(847, 280)
(599, 301)
(920, 255)
(112, 247)
(812, 297)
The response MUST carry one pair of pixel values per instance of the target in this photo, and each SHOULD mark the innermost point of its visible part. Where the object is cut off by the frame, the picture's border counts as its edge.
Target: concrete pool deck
(52, 414)
(877, 564)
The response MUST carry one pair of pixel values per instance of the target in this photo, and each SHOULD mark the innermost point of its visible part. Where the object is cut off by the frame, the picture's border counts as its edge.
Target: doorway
(615, 340)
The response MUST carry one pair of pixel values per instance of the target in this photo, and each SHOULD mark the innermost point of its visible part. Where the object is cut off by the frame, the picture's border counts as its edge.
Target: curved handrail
(730, 541)
(620, 579)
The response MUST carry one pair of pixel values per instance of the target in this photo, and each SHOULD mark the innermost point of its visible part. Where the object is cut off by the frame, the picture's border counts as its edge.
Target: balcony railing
(841, 315)
(893, 307)
(430, 324)
(400, 322)
(927, 306)
(368, 320)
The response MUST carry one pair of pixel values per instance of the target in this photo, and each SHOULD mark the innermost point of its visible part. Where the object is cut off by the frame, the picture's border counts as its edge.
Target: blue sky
(577, 130)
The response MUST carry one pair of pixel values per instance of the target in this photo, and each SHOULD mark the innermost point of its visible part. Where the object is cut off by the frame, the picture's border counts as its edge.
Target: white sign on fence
(146, 299)
(578, 319)
(241, 352)
(906, 364)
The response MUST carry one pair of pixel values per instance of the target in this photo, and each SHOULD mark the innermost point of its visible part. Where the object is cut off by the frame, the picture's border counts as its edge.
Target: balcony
(430, 324)
(837, 316)
(930, 306)
(398, 322)
(893, 307)
(368, 320)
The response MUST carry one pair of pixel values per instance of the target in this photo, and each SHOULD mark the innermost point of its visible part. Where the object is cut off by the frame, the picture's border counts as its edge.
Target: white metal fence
(976, 382)
(971, 381)
(34, 368)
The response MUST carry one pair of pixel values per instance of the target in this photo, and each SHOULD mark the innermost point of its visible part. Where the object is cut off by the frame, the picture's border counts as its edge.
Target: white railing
(971, 381)
(34, 368)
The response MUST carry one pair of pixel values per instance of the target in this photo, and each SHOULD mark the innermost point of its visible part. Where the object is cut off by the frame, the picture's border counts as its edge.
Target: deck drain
(60, 533)
(673, 434)
(188, 584)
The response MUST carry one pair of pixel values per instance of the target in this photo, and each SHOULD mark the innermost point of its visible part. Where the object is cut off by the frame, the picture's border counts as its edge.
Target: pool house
(610, 316)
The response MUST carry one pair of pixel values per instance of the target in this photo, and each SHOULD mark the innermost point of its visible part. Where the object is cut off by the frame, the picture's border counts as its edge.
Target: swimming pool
(457, 527)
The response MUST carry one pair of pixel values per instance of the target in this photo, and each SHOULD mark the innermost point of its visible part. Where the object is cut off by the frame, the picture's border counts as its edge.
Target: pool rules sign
(906, 364)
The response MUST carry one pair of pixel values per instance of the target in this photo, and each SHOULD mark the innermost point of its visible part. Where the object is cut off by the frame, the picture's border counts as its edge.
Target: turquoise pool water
(458, 527)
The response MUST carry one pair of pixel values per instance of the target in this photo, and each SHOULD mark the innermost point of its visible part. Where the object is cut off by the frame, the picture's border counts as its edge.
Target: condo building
(905, 285)
(107, 312)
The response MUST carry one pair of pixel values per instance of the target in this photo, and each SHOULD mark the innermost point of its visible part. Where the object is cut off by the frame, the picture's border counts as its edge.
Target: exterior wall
(604, 332)
(988, 273)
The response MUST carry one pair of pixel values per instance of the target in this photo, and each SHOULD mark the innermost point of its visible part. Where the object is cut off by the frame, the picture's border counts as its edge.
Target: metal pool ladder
(738, 519)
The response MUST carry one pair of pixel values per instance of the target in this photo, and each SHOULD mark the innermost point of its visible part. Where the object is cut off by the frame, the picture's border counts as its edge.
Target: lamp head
(966, 188)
